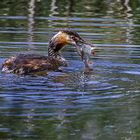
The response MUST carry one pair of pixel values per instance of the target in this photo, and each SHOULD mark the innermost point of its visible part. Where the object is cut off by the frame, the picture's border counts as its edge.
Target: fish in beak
(86, 50)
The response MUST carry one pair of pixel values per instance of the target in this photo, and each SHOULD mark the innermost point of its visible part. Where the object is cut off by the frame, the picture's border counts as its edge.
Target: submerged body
(31, 63)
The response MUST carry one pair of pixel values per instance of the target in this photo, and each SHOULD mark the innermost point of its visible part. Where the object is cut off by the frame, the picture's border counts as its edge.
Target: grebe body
(30, 63)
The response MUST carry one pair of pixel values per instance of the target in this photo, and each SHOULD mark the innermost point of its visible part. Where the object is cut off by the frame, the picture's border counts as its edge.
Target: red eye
(74, 38)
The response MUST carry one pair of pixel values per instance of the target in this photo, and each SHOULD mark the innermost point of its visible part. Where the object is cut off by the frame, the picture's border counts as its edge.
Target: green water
(72, 105)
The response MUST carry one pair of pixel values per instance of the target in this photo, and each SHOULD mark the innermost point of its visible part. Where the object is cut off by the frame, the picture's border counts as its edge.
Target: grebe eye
(74, 38)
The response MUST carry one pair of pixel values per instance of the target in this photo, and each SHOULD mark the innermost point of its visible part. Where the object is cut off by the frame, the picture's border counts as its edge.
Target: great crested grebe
(31, 63)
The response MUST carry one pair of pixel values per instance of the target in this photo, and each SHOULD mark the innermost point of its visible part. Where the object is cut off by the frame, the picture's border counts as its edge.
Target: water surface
(101, 105)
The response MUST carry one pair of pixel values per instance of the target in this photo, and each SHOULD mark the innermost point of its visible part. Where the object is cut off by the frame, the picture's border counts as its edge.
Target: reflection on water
(101, 105)
(31, 22)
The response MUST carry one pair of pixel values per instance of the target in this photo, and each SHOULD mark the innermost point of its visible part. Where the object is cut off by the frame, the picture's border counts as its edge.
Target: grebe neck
(54, 48)
(54, 52)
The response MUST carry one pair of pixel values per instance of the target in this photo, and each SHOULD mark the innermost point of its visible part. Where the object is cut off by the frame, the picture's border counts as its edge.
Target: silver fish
(86, 51)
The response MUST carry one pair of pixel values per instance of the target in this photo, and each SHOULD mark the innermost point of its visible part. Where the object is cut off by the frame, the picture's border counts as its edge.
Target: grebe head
(65, 37)
(71, 37)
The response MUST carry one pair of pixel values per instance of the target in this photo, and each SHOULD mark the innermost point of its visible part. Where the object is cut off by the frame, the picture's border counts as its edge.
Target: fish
(86, 52)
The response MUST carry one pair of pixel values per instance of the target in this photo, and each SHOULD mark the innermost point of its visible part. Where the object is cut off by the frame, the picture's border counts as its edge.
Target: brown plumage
(30, 63)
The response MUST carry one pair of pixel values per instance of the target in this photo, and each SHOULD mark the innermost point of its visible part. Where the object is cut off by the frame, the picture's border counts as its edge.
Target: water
(101, 105)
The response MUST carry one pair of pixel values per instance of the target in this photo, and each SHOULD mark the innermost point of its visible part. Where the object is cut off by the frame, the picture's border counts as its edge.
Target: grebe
(31, 63)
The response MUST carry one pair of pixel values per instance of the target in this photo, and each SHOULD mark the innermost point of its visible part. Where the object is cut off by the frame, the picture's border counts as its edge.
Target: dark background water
(72, 105)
